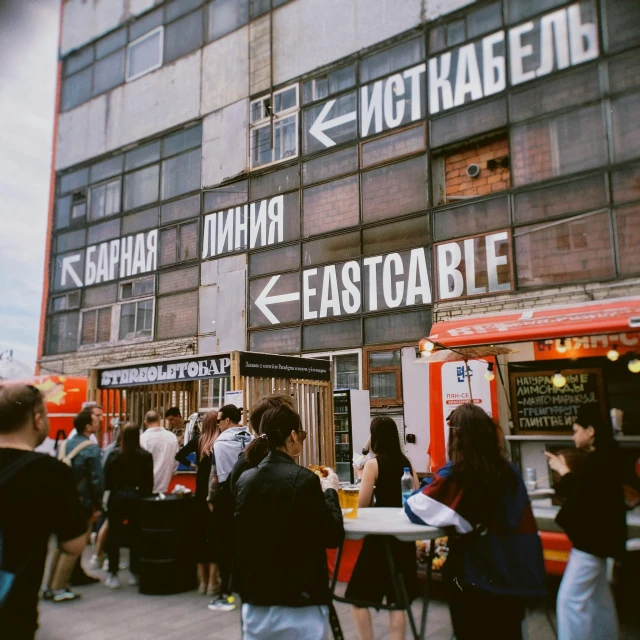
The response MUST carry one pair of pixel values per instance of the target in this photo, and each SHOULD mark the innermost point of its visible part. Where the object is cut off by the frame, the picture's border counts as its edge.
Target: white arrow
(263, 300)
(67, 268)
(319, 127)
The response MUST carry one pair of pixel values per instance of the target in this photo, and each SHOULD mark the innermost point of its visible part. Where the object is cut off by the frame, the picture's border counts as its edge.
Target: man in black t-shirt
(36, 499)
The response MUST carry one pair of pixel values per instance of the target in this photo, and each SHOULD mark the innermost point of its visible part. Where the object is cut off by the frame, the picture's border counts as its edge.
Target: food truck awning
(585, 318)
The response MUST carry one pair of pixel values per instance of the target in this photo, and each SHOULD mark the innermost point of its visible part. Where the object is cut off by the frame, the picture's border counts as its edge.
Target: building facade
(329, 177)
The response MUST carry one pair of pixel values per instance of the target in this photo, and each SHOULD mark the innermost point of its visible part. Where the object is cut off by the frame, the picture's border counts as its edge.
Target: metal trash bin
(167, 563)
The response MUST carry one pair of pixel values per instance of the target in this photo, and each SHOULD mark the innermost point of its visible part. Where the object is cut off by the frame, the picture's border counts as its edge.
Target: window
(69, 241)
(145, 54)
(136, 288)
(63, 333)
(383, 376)
(393, 327)
(625, 115)
(333, 249)
(146, 219)
(332, 335)
(66, 301)
(76, 89)
(327, 85)
(63, 212)
(183, 36)
(104, 199)
(177, 316)
(178, 244)
(392, 146)
(470, 219)
(622, 24)
(478, 22)
(343, 107)
(628, 231)
(178, 280)
(74, 180)
(96, 326)
(136, 320)
(104, 231)
(181, 174)
(225, 16)
(274, 182)
(400, 56)
(109, 72)
(346, 372)
(330, 206)
(141, 187)
(140, 156)
(330, 166)
(278, 341)
(79, 205)
(274, 127)
(274, 260)
(396, 235)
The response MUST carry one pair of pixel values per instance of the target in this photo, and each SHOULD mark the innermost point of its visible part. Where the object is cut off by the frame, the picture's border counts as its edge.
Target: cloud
(28, 46)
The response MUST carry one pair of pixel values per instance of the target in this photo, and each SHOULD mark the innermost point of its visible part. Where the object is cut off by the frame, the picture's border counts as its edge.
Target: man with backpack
(79, 453)
(38, 497)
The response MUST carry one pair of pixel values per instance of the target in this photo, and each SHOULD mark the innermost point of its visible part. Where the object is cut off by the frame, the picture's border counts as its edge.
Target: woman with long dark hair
(371, 580)
(594, 518)
(495, 562)
(202, 446)
(285, 518)
(128, 477)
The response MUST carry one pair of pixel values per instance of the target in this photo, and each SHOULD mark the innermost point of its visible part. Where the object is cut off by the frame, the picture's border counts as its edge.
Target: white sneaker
(112, 582)
(134, 581)
(92, 538)
(224, 603)
(105, 565)
(97, 561)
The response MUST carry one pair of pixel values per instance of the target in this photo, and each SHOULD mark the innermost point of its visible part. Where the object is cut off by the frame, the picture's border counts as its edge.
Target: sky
(28, 58)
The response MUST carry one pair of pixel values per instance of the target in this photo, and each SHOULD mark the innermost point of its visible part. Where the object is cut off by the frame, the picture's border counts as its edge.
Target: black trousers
(124, 529)
(476, 613)
(224, 540)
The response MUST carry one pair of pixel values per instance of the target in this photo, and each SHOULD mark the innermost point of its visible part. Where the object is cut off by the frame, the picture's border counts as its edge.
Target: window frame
(118, 321)
(331, 355)
(104, 183)
(397, 369)
(142, 38)
(133, 281)
(94, 344)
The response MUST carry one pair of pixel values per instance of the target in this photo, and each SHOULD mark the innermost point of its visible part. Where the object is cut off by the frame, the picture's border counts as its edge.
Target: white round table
(390, 522)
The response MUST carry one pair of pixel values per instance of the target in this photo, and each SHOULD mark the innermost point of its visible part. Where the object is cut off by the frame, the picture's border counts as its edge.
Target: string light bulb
(426, 347)
(634, 365)
(558, 380)
(562, 346)
(489, 373)
(613, 353)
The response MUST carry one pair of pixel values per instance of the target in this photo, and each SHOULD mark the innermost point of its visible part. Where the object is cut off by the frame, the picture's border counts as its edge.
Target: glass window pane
(471, 219)
(63, 212)
(285, 138)
(261, 151)
(226, 16)
(394, 190)
(103, 330)
(342, 79)
(571, 251)
(63, 332)
(624, 72)
(168, 246)
(626, 184)
(278, 341)
(76, 89)
(144, 318)
(142, 155)
(382, 385)
(88, 333)
(402, 55)
(331, 165)
(274, 182)
(348, 130)
(275, 260)
(181, 174)
(180, 209)
(397, 327)
(177, 8)
(112, 42)
(147, 219)
(259, 7)
(104, 199)
(106, 169)
(625, 116)
(623, 17)
(288, 311)
(182, 141)
(144, 55)
(384, 358)
(127, 321)
(558, 146)
(468, 122)
(392, 146)
(286, 99)
(74, 180)
(70, 241)
(170, 281)
(519, 9)
(333, 249)
(145, 24)
(455, 32)
(347, 371)
(188, 242)
(484, 20)
(141, 187)
(225, 197)
(556, 93)
(331, 206)
(628, 231)
(560, 199)
(78, 60)
(108, 72)
(78, 206)
(396, 235)
(332, 335)
(142, 287)
(105, 294)
(105, 231)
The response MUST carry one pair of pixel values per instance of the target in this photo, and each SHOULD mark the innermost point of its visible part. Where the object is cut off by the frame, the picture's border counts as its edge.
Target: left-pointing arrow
(321, 124)
(264, 299)
(67, 268)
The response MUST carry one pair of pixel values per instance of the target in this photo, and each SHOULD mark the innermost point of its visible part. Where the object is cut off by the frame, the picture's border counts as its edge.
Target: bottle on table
(406, 482)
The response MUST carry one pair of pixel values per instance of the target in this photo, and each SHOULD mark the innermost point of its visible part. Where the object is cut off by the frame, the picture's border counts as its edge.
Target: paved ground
(124, 614)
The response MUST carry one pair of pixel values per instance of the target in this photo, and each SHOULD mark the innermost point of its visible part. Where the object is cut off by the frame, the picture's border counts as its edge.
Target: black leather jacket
(283, 524)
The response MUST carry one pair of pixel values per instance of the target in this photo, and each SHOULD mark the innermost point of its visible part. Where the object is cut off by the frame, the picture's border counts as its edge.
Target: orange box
(555, 549)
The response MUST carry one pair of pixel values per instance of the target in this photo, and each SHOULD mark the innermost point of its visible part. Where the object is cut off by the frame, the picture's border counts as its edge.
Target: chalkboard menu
(540, 408)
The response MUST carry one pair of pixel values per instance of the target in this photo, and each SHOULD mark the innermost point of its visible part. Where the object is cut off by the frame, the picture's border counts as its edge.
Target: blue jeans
(585, 606)
(285, 623)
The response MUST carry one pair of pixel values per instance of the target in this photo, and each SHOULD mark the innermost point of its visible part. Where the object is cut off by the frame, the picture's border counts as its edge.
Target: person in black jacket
(128, 478)
(594, 518)
(283, 523)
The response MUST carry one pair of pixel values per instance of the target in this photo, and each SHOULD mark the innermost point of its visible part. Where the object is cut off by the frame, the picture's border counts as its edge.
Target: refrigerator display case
(352, 417)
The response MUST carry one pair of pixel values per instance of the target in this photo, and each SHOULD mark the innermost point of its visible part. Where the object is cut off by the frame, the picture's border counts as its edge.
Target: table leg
(425, 595)
(399, 586)
(334, 621)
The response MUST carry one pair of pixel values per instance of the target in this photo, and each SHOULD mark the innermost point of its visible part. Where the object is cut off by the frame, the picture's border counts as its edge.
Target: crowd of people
(263, 522)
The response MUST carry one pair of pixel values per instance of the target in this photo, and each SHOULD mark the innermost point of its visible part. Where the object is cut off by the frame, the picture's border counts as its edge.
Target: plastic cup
(348, 497)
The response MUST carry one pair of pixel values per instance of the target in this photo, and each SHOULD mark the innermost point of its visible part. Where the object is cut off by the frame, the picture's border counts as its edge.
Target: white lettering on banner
(113, 259)
(564, 40)
(321, 124)
(386, 100)
(262, 223)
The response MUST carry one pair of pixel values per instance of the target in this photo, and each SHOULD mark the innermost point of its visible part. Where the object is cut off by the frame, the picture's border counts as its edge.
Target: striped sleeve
(438, 505)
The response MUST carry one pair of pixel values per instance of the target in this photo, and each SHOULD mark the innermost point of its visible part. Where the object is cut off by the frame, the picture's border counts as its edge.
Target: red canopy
(586, 318)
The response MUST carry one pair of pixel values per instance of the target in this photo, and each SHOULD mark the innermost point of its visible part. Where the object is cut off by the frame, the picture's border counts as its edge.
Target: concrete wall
(86, 20)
